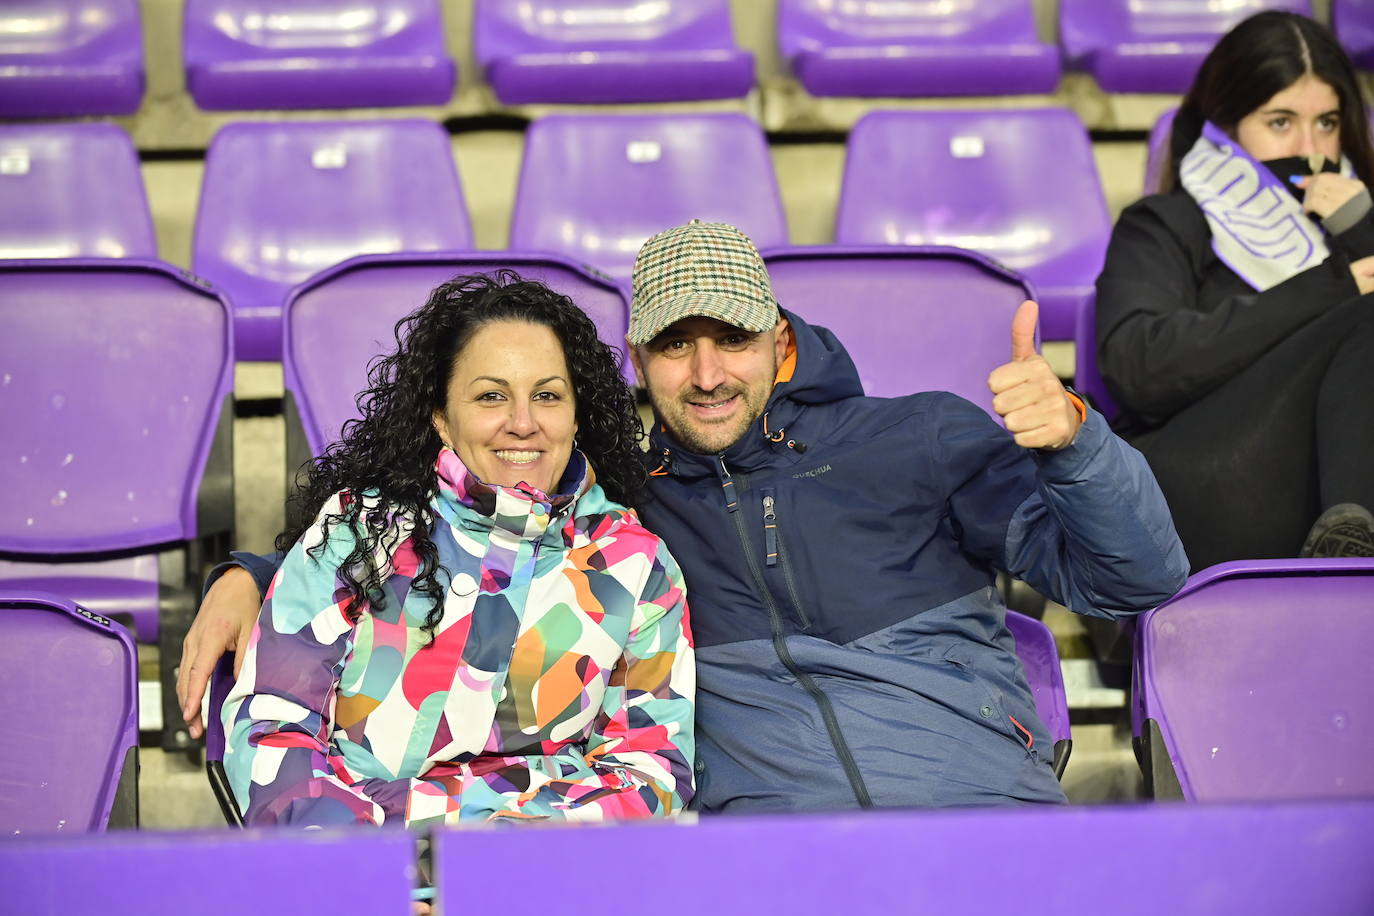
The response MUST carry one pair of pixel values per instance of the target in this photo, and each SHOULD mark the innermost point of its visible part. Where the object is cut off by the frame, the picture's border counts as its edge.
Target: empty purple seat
(281, 202)
(1151, 45)
(70, 717)
(255, 54)
(916, 49)
(609, 51)
(1353, 23)
(61, 59)
(116, 456)
(913, 319)
(1253, 683)
(155, 873)
(1017, 185)
(1039, 656)
(594, 187)
(72, 191)
(342, 318)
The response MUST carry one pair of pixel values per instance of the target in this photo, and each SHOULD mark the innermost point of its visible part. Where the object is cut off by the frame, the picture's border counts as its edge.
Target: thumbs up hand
(1027, 395)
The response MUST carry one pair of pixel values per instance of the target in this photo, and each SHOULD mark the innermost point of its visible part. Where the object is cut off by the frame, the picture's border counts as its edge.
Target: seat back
(341, 319)
(1153, 46)
(916, 49)
(1087, 380)
(1017, 185)
(257, 54)
(594, 187)
(590, 51)
(70, 716)
(1039, 655)
(1253, 681)
(61, 59)
(72, 191)
(282, 201)
(912, 319)
(1157, 159)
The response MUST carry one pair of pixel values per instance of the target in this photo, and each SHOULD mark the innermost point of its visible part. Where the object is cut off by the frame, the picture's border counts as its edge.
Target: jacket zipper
(827, 710)
(777, 553)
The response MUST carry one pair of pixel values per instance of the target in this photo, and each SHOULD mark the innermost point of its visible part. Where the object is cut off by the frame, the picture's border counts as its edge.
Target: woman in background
(1234, 323)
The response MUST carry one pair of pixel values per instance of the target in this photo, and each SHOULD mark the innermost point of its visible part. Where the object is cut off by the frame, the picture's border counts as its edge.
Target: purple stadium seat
(341, 319)
(1151, 45)
(221, 682)
(1158, 158)
(1253, 683)
(609, 51)
(1182, 860)
(164, 873)
(1353, 22)
(281, 202)
(64, 59)
(116, 457)
(1039, 656)
(951, 309)
(71, 191)
(256, 54)
(70, 718)
(916, 49)
(1087, 380)
(1017, 185)
(594, 187)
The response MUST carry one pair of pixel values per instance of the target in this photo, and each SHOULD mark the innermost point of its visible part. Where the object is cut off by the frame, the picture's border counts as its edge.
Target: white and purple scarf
(1259, 229)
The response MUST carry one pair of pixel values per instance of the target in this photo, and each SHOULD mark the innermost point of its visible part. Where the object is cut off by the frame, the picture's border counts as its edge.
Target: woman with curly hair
(474, 627)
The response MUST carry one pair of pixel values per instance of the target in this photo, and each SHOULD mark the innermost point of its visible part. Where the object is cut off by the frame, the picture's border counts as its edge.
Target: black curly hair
(390, 450)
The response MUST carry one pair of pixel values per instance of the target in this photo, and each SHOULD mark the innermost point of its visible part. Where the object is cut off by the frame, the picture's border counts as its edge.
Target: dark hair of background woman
(391, 449)
(1257, 59)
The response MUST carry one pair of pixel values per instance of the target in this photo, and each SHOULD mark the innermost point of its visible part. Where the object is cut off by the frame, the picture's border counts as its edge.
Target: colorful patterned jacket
(559, 684)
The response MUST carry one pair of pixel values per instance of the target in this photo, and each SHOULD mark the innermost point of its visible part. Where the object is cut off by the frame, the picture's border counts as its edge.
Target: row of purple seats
(256, 54)
(282, 201)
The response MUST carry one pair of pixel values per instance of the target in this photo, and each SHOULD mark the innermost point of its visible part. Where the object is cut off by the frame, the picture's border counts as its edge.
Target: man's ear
(782, 339)
(440, 426)
(635, 361)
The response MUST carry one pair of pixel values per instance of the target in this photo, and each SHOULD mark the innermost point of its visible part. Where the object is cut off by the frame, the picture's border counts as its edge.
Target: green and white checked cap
(701, 269)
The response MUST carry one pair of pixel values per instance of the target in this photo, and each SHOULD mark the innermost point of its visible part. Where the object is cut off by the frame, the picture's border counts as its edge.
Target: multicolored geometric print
(560, 683)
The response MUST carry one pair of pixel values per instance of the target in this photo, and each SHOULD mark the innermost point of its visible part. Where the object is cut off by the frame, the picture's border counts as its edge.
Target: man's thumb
(1023, 331)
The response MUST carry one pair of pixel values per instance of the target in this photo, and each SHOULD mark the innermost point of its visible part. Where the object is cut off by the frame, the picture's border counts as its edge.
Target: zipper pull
(727, 485)
(770, 528)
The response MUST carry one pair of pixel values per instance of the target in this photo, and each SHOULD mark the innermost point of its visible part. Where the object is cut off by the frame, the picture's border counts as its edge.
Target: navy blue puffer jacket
(851, 646)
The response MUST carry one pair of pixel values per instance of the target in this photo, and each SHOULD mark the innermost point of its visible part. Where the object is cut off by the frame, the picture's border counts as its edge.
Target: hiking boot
(1345, 530)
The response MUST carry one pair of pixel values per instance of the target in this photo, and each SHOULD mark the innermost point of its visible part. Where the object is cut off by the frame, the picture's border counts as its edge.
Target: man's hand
(223, 624)
(1327, 192)
(1028, 395)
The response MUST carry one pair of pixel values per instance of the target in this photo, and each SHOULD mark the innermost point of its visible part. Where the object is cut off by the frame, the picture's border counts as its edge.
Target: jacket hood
(818, 371)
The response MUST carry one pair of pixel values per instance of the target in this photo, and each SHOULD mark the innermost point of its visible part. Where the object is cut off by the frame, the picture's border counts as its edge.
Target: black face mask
(1286, 169)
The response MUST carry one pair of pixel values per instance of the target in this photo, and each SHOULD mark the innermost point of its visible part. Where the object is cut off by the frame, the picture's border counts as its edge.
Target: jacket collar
(522, 510)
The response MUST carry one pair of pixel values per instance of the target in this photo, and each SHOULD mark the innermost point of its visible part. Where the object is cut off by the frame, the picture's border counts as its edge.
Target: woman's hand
(1327, 192)
(223, 624)
(1363, 272)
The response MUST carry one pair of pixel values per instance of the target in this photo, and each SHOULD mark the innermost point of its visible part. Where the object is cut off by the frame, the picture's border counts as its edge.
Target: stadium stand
(937, 347)
(592, 51)
(916, 49)
(283, 201)
(1017, 185)
(70, 682)
(343, 317)
(1251, 683)
(58, 59)
(72, 191)
(117, 453)
(1353, 23)
(1150, 45)
(264, 54)
(594, 187)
